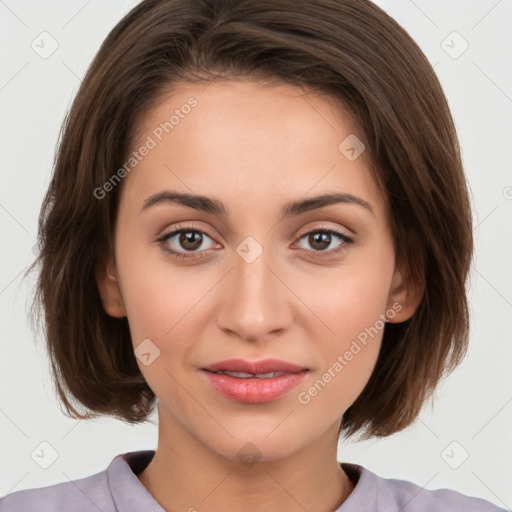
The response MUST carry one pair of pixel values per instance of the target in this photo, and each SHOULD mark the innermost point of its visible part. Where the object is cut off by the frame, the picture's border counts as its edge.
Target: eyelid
(190, 225)
(323, 227)
(185, 226)
(327, 225)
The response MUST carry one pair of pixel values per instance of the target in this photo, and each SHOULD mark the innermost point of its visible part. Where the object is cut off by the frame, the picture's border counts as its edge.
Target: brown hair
(349, 50)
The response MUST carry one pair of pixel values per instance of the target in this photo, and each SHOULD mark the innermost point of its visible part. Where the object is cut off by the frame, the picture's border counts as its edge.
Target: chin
(255, 444)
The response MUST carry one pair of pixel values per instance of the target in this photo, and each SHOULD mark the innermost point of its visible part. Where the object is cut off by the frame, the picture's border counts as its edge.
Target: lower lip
(254, 391)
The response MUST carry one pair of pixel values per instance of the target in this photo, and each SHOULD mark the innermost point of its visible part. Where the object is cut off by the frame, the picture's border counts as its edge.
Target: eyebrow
(214, 206)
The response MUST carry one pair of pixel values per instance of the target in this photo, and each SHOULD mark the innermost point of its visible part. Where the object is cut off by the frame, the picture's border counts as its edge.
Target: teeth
(244, 375)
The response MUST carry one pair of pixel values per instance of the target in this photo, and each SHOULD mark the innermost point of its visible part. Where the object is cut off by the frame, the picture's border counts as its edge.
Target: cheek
(348, 347)
(351, 299)
(155, 293)
(351, 309)
(355, 332)
(161, 309)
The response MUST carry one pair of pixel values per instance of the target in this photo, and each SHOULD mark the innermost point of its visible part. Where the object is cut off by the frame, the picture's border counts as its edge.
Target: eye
(183, 240)
(322, 238)
(189, 242)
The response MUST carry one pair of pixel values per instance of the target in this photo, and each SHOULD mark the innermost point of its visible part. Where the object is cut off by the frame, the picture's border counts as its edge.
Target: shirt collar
(129, 493)
(364, 494)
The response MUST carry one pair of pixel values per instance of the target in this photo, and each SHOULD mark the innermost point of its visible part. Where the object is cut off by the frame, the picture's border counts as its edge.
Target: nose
(255, 300)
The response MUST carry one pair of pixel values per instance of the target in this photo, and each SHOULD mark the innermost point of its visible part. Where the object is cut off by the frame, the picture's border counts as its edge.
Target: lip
(254, 390)
(263, 366)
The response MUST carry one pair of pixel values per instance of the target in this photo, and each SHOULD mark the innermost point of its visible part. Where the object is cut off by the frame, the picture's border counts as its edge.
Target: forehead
(245, 140)
(237, 111)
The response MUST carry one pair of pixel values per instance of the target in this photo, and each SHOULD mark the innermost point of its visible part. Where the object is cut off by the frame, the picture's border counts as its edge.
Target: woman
(259, 223)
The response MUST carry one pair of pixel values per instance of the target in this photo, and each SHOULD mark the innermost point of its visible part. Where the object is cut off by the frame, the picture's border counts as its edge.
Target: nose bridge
(254, 304)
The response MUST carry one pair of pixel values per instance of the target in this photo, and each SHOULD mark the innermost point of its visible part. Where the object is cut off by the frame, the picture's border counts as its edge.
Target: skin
(254, 147)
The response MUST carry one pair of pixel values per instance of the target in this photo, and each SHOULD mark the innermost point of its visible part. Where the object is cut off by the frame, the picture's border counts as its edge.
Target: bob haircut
(347, 50)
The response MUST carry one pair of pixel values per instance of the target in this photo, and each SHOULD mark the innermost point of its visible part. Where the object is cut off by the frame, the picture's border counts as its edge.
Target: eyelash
(316, 254)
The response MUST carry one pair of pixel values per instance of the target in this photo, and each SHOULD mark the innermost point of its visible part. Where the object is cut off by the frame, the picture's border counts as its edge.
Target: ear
(108, 287)
(404, 298)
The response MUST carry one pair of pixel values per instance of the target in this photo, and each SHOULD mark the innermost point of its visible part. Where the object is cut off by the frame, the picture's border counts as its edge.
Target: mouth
(245, 375)
(254, 382)
(252, 388)
(247, 369)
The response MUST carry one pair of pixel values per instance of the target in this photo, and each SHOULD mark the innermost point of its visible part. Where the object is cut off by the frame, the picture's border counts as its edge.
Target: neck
(184, 474)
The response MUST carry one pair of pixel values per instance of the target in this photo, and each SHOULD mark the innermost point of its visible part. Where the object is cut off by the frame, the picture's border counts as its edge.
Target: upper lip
(254, 367)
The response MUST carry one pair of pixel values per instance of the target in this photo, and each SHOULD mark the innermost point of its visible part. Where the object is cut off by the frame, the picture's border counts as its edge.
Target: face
(249, 276)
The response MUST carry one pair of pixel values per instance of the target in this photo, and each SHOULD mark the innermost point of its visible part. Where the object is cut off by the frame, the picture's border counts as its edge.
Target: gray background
(472, 413)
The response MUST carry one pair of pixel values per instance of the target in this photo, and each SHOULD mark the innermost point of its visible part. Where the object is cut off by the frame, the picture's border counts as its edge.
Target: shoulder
(415, 498)
(86, 494)
(396, 494)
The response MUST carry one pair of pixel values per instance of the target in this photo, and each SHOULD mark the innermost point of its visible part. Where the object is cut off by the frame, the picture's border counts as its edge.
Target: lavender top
(117, 489)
